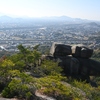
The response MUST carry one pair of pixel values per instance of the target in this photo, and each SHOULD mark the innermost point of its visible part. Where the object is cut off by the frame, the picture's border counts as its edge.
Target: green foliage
(28, 95)
(23, 50)
(96, 93)
(5, 66)
(25, 54)
(52, 87)
(36, 47)
(6, 93)
(91, 93)
(21, 86)
(13, 73)
(16, 76)
(96, 55)
(84, 87)
(25, 58)
(49, 67)
(18, 61)
(44, 49)
(57, 88)
(97, 80)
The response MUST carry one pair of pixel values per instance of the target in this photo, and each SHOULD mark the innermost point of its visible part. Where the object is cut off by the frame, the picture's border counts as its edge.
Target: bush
(21, 86)
(49, 67)
(91, 92)
(55, 87)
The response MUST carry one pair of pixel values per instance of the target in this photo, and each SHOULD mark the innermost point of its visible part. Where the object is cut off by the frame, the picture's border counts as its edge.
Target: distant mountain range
(7, 19)
(61, 19)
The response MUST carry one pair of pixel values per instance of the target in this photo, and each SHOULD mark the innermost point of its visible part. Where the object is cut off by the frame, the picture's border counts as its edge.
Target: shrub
(55, 87)
(49, 67)
(91, 92)
(21, 86)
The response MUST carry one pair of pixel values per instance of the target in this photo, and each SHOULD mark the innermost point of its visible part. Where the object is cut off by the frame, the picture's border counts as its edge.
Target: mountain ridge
(52, 18)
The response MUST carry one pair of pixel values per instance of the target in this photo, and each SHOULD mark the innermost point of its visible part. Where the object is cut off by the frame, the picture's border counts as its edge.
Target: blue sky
(85, 9)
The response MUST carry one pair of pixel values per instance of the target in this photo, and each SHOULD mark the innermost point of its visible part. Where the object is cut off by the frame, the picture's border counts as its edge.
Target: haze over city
(85, 9)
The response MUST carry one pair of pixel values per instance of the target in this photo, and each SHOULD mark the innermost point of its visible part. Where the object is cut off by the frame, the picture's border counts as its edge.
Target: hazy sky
(86, 9)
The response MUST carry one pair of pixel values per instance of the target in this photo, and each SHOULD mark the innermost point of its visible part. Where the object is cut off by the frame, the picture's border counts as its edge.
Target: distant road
(58, 40)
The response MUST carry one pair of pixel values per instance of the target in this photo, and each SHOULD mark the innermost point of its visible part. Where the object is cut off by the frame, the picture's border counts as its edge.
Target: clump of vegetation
(54, 86)
(49, 67)
(90, 92)
(21, 76)
(21, 86)
(96, 55)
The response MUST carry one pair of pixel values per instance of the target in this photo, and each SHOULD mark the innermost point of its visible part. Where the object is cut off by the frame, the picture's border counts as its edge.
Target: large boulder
(60, 50)
(81, 51)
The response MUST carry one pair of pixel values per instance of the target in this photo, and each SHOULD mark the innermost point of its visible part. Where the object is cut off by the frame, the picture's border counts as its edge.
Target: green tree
(25, 58)
(18, 61)
(24, 54)
(5, 66)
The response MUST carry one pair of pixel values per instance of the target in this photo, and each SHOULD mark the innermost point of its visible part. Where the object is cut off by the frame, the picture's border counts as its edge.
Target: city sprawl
(44, 32)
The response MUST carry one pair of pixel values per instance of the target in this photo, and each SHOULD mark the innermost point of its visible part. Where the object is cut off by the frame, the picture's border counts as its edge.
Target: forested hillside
(23, 75)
